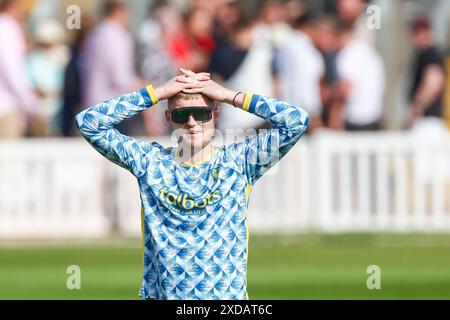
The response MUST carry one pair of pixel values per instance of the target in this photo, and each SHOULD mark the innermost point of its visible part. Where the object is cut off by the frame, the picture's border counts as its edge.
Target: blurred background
(369, 184)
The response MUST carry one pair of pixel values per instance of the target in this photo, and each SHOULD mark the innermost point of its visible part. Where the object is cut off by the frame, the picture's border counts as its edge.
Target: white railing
(52, 188)
(328, 182)
(393, 182)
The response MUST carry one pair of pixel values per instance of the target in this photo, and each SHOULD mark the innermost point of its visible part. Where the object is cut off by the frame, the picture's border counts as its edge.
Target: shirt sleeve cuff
(152, 94)
(247, 101)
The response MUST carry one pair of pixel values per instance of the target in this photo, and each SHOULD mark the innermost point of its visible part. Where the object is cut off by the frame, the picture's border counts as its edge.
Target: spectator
(109, 66)
(211, 6)
(426, 98)
(72, 92)
(191, 44)
(353, 15)
(253, 44)
(276, 20)
(362, 71)
(300, 67)
(446, 110)
(154, 61)
(425, 113)
(200, 28)
(17, 98)
(274, 16)
(294, 10)
(46, 65)
(227, 56)
(326, 39)
(259, 39)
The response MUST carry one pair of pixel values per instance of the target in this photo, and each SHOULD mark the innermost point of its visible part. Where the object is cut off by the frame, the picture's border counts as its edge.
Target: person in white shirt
(17, 98)
(109, 62)
(299, 68)
(255, 71)
(109, 56)
(355, 14)
(46, 64)
(361, 67)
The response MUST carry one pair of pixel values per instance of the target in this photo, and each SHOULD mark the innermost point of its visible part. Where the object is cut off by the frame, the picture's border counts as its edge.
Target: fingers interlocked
(194, 81)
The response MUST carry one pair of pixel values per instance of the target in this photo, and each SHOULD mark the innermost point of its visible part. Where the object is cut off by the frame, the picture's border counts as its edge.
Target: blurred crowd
(325, 63)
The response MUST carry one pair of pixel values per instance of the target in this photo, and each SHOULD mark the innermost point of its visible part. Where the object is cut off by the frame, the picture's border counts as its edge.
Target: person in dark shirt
(426, 98)
(227, 55)
(72, 90)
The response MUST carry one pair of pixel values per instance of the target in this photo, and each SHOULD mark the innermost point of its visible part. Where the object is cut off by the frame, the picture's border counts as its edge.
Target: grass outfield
(313, 266)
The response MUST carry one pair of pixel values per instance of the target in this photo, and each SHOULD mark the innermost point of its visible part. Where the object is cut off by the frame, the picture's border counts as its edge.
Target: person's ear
(216, 114)
(167, 114)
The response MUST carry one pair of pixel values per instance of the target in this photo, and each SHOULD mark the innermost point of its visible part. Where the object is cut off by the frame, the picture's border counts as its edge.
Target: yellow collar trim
(196, 164)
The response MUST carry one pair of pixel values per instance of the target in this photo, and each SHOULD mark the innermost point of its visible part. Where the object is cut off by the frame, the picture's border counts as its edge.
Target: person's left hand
(210, 88)
(178, 83)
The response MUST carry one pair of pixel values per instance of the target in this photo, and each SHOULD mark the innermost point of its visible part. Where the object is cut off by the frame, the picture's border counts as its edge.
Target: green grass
(313, 266)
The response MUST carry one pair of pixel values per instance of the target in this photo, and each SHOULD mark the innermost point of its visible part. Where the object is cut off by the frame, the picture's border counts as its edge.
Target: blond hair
(189, 96)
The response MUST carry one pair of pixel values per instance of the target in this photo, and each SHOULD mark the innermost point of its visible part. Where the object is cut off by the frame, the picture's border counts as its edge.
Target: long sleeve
(265, 149)
(97, 127)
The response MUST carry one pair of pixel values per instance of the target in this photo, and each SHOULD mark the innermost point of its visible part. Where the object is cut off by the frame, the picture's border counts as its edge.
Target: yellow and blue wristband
(250, 102)
(149, 95)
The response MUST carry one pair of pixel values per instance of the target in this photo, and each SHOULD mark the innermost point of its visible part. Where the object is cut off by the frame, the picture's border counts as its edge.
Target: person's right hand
(209, 88)
(180, 83)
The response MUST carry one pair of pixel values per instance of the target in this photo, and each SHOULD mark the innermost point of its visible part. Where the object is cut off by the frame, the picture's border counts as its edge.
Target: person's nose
(191, 121)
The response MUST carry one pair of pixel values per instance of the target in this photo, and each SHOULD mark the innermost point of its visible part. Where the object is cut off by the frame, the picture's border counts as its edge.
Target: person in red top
(192, 46)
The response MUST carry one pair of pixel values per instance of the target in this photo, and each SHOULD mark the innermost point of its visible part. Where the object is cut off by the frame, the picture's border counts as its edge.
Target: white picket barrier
(383, 182)
(52, 188)
(327, 182)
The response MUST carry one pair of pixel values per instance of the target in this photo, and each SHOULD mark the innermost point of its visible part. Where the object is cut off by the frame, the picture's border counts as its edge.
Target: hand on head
(202, 83)
(179, 84)
(191, 82)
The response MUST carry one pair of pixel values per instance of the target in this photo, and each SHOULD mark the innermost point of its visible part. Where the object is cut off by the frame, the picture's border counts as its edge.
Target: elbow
(296, 124)
(305, 119)
(302, 121)
(79, 120)
(83, 124)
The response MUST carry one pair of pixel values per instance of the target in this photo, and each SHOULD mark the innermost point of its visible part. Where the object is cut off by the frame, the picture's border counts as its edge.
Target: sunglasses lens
(179, 116)
(200, 114)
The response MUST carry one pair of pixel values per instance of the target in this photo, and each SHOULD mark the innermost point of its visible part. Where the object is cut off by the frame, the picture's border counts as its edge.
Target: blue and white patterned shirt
(194, 217)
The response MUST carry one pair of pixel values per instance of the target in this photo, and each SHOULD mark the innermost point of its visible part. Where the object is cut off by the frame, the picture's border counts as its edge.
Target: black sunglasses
(200, 114)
